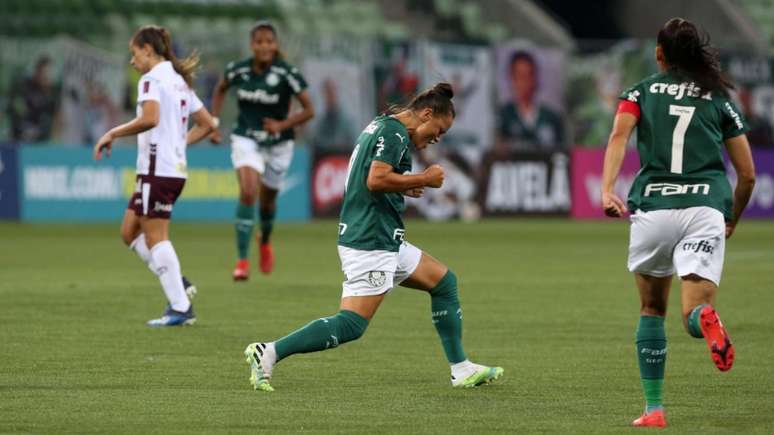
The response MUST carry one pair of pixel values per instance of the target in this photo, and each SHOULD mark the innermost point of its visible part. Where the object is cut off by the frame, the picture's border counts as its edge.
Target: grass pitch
(549, 300)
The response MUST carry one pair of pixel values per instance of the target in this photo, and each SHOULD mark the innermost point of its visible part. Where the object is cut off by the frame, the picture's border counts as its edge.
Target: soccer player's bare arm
(383, 178)
(148, 119)
(741, 158)
(623, 125)
(204, 125)
(305, 114)
(218, 97)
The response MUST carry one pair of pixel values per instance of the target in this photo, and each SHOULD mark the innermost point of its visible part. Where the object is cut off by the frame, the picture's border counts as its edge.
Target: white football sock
(167, 266)
(140, 247)
(271, 353)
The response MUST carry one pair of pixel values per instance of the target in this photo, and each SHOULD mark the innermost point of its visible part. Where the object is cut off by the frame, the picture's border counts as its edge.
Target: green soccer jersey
(261, 96)
(680, 135)
(372, 221)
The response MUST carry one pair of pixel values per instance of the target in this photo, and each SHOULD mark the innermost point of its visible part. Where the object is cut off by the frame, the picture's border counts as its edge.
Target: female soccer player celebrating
(262, 140)
(165, 101)
(374, 255)
(682, 201)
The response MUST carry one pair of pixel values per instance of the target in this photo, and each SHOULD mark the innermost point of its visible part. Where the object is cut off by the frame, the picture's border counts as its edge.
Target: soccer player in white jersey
(165, 102)
(683, 206)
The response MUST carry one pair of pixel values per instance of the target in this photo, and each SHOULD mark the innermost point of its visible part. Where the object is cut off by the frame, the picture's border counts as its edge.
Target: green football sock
(245, 220)
(267, 224)
(321, 334)
(651, 355)
(447, 317)
(694, 321)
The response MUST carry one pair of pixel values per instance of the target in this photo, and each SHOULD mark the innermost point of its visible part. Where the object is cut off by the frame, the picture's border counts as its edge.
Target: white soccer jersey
(161, 150)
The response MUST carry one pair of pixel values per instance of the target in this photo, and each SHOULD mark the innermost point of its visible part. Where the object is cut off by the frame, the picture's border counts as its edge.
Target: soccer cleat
(480, 375)
(260, 366)
(267, 257)
(190, 289)
(174, 318)
(241, 271)
(651, 419)
(718, 341)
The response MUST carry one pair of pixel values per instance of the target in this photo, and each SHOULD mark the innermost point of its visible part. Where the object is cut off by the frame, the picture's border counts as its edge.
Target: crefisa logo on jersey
(678, 91)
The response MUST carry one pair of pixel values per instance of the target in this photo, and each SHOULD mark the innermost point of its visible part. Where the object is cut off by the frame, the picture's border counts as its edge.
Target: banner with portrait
(530, 98)
(468, 69)
(338, 72)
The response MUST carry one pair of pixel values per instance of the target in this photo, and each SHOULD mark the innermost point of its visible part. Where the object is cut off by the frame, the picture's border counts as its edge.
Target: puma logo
(399, 137)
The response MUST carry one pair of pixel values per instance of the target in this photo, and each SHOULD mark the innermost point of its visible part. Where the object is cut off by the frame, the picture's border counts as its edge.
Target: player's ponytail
(438, 98)
(160, 39)
(688, 52)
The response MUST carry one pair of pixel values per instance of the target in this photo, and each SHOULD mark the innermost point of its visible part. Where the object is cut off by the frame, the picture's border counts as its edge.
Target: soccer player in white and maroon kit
(165, 102)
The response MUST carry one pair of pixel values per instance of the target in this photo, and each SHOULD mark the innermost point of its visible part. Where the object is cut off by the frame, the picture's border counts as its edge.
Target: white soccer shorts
(691, 240)
(271, 162)
(370, 273)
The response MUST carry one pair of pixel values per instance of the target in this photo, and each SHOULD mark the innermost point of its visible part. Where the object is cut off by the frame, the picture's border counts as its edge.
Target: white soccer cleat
(474, 375)
(260, 366)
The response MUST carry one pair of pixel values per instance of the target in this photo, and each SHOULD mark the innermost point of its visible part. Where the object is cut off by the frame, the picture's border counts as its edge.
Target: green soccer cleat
(260, 367)
(481, 375)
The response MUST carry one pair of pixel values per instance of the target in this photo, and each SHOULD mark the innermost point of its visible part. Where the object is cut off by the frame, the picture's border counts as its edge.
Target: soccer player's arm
(204, 124)
(387, 155)
(298, 87)
(148, 97)
(735, 139)
(218, 97)
(626, 118)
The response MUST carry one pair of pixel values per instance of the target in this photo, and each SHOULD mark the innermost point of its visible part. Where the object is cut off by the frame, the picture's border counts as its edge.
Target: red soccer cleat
(241, 271)
(651, 419)
(267, 258)
(718, 341)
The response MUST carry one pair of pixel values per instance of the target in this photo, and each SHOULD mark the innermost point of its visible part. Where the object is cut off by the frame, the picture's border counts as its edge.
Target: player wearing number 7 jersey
(374, 256)
(682, 204)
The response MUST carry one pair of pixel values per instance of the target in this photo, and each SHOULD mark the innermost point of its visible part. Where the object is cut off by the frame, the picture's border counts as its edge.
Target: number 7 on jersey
(684, 114)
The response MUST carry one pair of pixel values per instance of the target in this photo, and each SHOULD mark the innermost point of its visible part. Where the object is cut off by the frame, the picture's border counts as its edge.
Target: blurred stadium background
(544, 285)
(64, 80)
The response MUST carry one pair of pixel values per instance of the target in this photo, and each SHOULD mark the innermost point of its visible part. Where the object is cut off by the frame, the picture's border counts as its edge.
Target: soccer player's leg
(164, 258)
(699, 262)
(347, 325)
(362, 293)
(651, 346)
(133, 237)
(249, 164)
(420, 271)
(268, 209)
(131, 232)
(244, 221)
(652, 239)
(277, 160)
(159, 196)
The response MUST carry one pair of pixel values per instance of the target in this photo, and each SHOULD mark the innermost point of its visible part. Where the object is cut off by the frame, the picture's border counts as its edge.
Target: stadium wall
(65, 184)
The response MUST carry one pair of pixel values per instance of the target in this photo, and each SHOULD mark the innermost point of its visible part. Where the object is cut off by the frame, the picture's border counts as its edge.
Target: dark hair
(522, 55)
(687, 52)
(161, 41)
(263, 24)
(438, 98)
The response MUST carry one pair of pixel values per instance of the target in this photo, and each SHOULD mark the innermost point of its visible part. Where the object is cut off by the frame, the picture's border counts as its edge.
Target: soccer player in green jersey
(262, 138)
(682, 203)
(374, 255)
